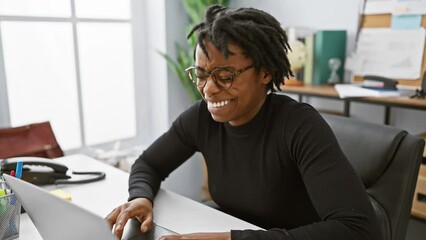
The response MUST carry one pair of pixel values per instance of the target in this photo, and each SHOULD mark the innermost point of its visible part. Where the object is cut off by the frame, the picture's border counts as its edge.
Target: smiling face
(241, 102)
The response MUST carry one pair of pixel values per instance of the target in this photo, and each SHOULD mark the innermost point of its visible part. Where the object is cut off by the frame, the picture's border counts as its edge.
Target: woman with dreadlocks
(271, 161)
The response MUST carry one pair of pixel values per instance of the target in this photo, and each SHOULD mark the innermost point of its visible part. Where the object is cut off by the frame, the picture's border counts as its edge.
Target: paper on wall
(395, 7)
(391, 53)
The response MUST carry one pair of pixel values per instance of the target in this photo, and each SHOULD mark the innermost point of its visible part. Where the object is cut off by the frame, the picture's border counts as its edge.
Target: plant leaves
(195, 12)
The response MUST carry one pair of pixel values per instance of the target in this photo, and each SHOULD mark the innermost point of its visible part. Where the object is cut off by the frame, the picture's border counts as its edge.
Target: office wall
(312, 14)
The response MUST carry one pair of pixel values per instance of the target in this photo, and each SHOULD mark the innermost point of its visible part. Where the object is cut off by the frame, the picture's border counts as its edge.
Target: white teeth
(218, 104)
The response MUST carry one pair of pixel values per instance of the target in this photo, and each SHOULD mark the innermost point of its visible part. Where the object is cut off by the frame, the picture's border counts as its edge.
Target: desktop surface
(171, 211)
(328, 91)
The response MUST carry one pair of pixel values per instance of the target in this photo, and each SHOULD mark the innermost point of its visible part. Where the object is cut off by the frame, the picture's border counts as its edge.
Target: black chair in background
(387, 160)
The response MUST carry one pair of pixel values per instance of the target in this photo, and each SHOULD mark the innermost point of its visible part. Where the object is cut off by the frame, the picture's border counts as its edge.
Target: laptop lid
(56, 218)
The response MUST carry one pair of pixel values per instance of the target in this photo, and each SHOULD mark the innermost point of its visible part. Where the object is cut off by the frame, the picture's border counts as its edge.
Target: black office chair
(388, 160)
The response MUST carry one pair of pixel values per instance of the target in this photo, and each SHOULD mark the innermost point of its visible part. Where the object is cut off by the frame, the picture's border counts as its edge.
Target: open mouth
(218, 104)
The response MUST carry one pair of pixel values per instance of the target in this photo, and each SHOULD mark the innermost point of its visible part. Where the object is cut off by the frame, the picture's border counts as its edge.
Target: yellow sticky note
(3, 192)
(61, 194)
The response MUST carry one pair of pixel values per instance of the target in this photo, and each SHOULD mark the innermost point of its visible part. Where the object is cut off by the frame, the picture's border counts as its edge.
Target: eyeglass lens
(222, 77)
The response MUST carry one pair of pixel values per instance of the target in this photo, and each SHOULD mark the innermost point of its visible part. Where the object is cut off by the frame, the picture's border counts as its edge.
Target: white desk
(171, 210)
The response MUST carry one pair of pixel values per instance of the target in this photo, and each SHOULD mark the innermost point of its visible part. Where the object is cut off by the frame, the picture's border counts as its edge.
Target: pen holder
(10, 209)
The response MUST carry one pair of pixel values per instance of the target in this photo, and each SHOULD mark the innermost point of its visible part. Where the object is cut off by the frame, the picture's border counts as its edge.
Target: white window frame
(150, 72)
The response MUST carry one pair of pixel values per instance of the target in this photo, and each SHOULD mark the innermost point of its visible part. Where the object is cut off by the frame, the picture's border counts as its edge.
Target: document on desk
(391, 53)
(353, 90)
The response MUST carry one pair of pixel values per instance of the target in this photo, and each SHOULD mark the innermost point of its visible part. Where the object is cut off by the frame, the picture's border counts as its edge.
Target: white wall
(314, 14)
(156, 66)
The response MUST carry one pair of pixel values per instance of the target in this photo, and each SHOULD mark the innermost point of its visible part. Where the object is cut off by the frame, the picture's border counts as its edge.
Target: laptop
(56, 218)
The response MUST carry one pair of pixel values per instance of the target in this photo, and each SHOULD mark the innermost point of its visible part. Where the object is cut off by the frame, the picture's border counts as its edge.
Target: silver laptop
(56, 218)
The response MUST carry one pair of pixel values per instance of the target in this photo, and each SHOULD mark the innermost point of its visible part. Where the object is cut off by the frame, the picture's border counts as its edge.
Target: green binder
(328, 44)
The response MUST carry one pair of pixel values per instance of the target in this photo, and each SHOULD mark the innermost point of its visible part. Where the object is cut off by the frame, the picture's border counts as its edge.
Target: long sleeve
(335, 190)
(168, 152)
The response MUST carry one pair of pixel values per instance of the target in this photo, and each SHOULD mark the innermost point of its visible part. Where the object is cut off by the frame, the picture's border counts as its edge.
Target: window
(70, 62)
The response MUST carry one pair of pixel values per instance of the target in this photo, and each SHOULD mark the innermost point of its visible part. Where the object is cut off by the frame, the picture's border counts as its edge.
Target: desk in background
(171, 210)
(327, 91)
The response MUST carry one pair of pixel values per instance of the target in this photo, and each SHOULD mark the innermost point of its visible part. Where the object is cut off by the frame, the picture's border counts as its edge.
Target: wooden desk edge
(328, 91)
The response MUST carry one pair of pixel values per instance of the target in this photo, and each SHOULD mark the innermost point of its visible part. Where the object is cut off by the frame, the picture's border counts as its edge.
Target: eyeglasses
(221, 76)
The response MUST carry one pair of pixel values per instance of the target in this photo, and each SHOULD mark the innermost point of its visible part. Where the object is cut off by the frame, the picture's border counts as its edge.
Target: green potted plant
(195, 12)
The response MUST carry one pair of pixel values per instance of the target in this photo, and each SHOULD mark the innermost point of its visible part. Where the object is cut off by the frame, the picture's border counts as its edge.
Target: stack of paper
(351, 90)
(391, 53)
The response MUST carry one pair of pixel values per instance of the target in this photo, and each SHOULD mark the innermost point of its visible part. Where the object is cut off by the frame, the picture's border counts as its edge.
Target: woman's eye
(228, 79)
(200, 73)
(223, 76)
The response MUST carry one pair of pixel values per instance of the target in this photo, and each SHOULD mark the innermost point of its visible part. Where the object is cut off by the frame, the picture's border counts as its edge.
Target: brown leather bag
(35, 140)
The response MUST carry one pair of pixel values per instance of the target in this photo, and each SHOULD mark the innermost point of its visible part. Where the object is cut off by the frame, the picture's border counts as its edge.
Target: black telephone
(41, 171)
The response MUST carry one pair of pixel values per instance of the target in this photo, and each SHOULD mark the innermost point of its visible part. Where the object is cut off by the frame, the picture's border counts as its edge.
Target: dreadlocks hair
(258, 33)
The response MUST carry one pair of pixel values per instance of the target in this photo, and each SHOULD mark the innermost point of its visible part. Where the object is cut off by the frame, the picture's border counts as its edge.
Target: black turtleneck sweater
(283, 171)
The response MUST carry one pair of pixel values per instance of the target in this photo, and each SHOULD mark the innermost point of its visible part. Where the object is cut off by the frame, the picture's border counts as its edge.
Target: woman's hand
(200, 236)
(139, 208)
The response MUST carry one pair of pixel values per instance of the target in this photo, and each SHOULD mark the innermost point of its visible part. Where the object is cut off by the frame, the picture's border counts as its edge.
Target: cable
(99, 176)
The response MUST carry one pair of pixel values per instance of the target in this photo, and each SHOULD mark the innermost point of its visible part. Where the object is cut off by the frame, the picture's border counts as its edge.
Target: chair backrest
(34, 140)
(388, 160)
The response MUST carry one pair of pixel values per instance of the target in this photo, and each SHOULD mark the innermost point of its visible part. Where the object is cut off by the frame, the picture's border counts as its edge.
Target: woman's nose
(210, 87)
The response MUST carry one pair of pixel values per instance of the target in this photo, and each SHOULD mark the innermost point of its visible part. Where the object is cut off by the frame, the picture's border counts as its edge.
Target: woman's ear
(266, 77)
